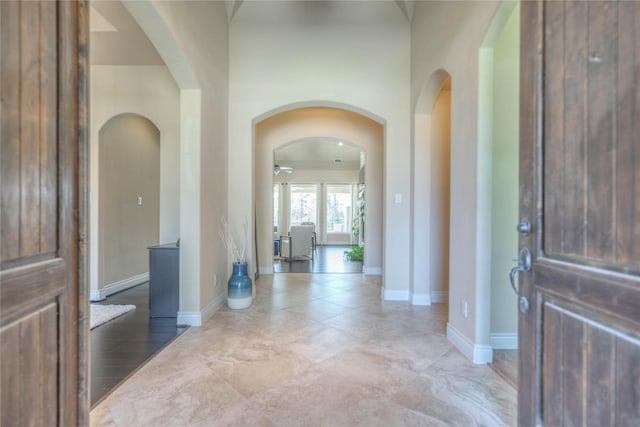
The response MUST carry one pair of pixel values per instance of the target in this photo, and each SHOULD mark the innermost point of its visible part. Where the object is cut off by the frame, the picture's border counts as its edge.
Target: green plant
(358, 219)
(355, 254)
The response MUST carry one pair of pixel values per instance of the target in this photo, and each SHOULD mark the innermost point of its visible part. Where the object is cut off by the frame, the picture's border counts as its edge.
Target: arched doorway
(129, 205)
(332, 125)
(431, 192)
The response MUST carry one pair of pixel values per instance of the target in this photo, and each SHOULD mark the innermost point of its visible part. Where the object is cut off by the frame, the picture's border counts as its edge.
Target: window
(303, 203)
(339, 208)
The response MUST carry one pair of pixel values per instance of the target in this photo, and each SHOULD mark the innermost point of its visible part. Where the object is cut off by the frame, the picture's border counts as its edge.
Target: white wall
(350, 53)
(447, 36)
(192, 39)
(504, 248)
(149, 91)
(200, 31)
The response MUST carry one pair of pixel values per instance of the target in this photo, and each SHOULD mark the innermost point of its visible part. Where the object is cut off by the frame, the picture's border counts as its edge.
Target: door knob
(524, 265)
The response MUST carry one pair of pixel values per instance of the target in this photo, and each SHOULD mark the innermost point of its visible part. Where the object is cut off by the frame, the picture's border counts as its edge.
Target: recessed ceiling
(319, 154)
(116, 38)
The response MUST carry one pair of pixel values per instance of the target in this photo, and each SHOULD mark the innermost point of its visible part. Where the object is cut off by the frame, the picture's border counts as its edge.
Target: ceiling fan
(286, 169)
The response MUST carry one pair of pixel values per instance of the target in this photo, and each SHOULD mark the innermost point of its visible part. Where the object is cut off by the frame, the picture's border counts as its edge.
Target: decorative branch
(237, 254)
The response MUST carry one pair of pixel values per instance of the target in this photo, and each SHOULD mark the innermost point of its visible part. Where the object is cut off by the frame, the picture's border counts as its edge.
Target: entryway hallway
(313, 350)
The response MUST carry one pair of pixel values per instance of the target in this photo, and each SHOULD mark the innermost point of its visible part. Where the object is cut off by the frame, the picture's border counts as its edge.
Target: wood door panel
(590, 143)
(29, 159)
(30, 287)
(579, 341)
(42, 142)
(30, 378)
(587, 368)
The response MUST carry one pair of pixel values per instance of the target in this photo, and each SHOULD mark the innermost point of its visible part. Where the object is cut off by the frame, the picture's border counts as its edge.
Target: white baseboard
(216, 304)
(395, 295)
(197, 318)
(478, 354)
(503, 341)
(100, 294)
(421, 299)
(191, 318)
(438, 297)
(265, 270)
(97, 295)
(372, 271)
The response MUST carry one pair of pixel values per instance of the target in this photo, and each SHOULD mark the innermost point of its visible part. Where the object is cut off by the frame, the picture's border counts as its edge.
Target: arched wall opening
(129, 192)
(431, 192)
(297, 124)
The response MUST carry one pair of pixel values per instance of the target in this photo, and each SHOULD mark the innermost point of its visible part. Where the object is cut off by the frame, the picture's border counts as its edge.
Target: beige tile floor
(313, 350)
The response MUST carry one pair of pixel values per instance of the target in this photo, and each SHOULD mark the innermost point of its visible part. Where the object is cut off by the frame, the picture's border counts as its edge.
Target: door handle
(524, 265)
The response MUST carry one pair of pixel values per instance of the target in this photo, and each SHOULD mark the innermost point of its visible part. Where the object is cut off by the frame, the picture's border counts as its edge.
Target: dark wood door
(580, 187)
(43, 147)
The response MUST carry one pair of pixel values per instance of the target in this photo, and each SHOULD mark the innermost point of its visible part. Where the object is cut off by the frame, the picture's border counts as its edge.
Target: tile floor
(313, 350)
(118, 347)
(326, 259)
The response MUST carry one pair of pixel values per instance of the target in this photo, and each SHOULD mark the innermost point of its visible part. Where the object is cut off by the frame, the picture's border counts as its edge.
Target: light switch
(139, 200)
(398, 198)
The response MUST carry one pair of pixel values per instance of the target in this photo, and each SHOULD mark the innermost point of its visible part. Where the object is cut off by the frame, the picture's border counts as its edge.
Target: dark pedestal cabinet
(164, 280)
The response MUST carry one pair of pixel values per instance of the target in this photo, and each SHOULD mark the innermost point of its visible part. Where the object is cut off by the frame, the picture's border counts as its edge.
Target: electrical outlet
(215, 280)
(464, 309)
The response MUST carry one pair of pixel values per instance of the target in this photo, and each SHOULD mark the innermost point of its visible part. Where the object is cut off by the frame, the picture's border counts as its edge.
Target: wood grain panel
(40, 280)
(554, 129)
(29, 130)
(32, 399)
(600, 356)
(627, 385)
(573, 170)
(29, 134)
(10, 128)
(48, 116)
(573, 365)
(600, 120)
(628, 151)
(552, 384)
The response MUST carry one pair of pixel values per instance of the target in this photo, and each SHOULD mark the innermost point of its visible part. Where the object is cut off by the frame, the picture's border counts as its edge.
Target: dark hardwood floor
(122, 345)
(327, 259)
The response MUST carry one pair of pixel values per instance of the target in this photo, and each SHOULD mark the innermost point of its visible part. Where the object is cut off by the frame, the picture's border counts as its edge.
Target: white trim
(372, 271)
(395, 295)
(265, 270)
(503, 341)
(438, 297)
(197, 318)
(478, 354)
(191, 318)
(97, 295)
(120, 286)
(421, 299)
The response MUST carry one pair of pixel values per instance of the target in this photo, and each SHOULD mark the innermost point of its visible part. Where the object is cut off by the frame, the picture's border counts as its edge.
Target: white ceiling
(116, 38)
(318, 154)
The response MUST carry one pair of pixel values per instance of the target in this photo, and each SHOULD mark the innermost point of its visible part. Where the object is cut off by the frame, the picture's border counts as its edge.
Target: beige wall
(302, 123)
(286, 55)
(200, 32)
(440, 147)
(447, 36)
(129, 196)
(151, 92)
